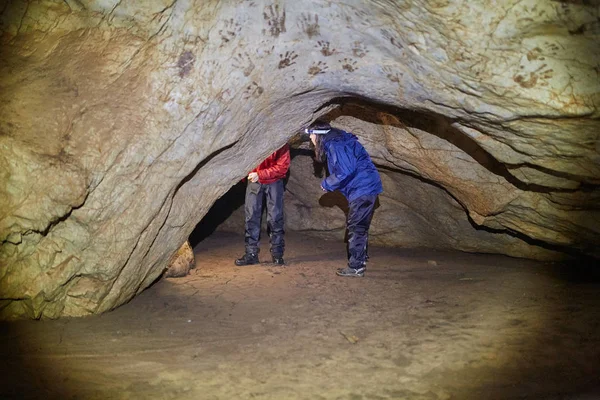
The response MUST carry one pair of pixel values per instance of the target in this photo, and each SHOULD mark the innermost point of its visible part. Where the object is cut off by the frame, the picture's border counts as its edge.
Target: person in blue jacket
(352, 172)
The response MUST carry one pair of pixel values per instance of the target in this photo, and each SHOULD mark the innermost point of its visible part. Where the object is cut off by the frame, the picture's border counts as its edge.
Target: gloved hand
(253, 177)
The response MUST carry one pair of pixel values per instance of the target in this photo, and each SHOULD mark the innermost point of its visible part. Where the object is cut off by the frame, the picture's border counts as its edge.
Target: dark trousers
(360, 214)
(255, 194)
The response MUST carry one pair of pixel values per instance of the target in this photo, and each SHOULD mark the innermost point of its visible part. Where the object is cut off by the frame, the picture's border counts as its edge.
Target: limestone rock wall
(429, 147)
(181, 262)
(411, 213)
(122, 122)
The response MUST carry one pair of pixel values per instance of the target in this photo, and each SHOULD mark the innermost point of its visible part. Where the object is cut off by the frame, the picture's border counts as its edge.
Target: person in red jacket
(266, 180)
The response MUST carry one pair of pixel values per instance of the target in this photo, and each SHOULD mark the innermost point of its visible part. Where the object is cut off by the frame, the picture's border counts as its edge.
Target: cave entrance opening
(423, 160)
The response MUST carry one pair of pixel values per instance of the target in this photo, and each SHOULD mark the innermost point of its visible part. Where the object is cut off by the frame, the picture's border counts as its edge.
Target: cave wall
(122, 122)
(555, 211)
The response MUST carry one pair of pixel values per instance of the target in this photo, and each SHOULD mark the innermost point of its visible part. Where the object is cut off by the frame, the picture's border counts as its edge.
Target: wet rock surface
(122, 123)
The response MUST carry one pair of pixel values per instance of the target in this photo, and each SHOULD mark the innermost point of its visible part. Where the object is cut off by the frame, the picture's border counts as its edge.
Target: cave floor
(420, 325)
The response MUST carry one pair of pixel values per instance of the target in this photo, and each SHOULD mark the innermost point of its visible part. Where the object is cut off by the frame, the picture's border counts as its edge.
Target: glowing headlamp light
(316, 131)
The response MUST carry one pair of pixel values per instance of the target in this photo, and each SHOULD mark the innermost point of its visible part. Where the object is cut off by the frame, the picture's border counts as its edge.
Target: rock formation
(121, 123)
(181, 262)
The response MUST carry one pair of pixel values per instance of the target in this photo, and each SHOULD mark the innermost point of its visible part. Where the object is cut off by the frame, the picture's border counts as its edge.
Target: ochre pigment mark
(392, 74)
(540, 76)
(243, 62)
(525, 82)
(349, 64)
(359, 49)
(309, 26)
(275, 20)
(317, 68)
(553, 48)
(389, 36)
(287, 59)
(325, 48)
(185, 63)
(252, 90)
(535, 54)
(230, 31)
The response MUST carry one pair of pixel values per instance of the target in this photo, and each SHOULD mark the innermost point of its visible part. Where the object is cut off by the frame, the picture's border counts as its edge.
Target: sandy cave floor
(470, 327)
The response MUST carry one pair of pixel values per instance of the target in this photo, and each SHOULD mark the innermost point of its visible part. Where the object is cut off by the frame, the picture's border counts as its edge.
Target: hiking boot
(357, 272)
(278, 260)
(247, 259)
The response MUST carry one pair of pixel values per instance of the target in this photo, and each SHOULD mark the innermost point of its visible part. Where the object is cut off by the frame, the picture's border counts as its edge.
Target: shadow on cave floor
(466, 326)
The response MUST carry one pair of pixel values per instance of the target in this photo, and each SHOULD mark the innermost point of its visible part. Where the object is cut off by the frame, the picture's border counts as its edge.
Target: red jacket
(274, 167)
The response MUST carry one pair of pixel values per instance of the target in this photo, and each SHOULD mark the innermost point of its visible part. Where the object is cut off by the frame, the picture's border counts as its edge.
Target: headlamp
(316, 131)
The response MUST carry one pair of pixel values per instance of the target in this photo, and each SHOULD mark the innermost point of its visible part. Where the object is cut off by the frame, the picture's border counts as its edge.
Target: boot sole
(351, 275)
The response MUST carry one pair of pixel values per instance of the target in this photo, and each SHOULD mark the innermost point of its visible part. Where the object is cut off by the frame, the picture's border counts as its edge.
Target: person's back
(347, 156)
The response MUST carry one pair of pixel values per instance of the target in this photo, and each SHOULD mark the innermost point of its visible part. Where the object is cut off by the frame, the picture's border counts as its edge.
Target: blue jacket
(351, 170)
